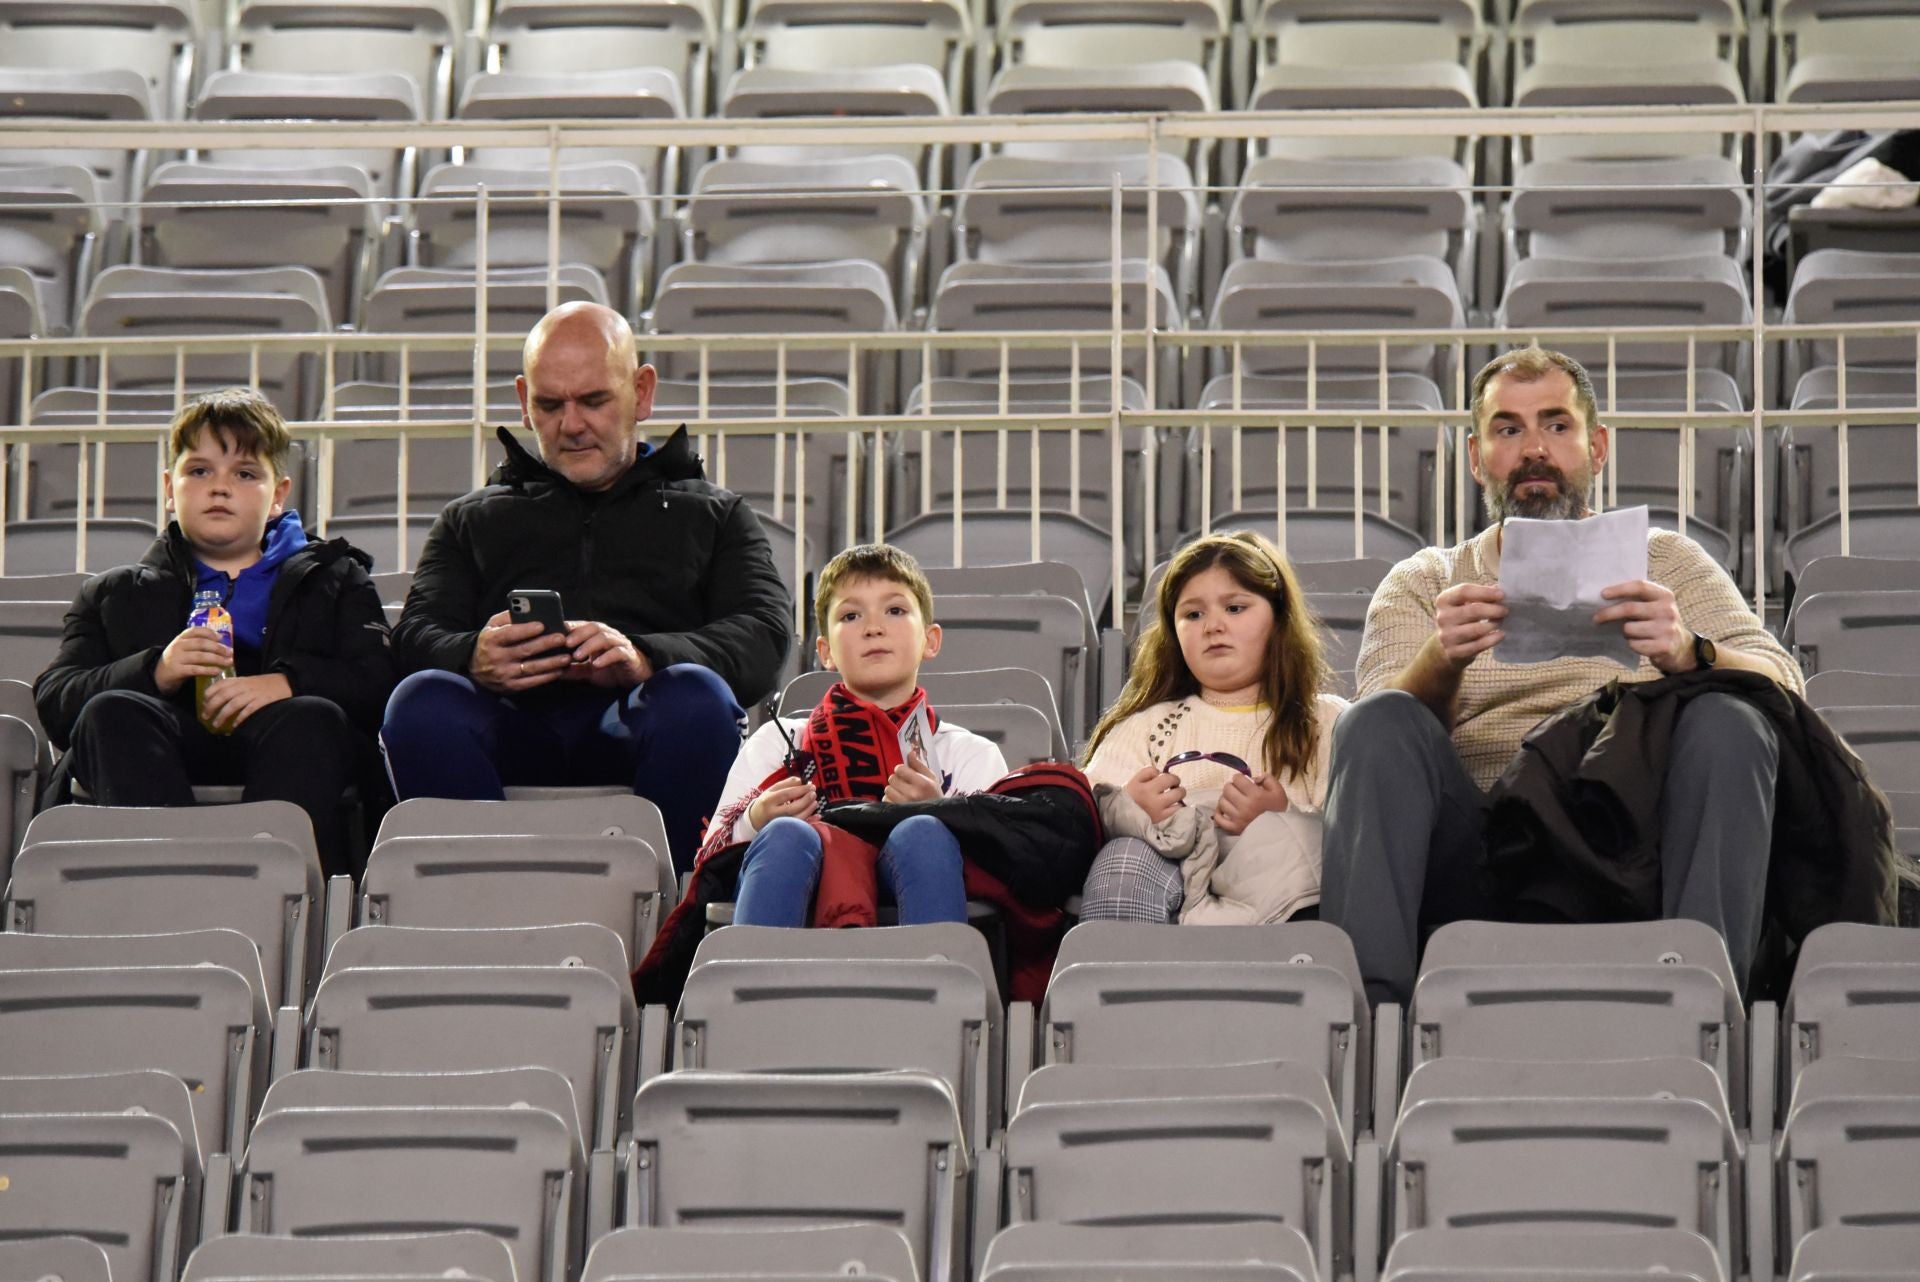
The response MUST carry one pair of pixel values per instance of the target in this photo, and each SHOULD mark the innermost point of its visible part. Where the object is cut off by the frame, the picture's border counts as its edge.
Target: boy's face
(223, 499)
(876, 639)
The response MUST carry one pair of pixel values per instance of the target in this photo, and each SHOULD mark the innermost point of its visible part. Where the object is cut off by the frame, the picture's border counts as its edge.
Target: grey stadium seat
(1709, 289)
(768, 92)
(117, 1178)
(141, 1091)
(468, 1254)
(606, 220)
(1246, 1142)
(1849, 994)
(1045, 634)
(1874, 531)
(66, 1257)
(197, 1022)
(1880, 456)
(1834, 286)
(815, 1012)
(1250, 1251)
(52, 227)
(1860, 631)
(124, 486)
(130, 300)
(1361, 86)
(1355, 210)
(98, 95)
(53, 547)
(342, 98)
(1325, 533)
(1655, 207)
(414, 38)
(1885, 736)
(1491, 990)
(1509, 1145)
(154, 39)
(746, 1147)
(216, 946)
(560, 37)
(1883, 1253)
(1833, 51)
(974, 296)
(449, 1018)
(1157, 995)
(442, 302)
(996, 539)
(1412, 292)
(1467, 1255)
(1024, 735)
(1840, 689)
(464, 863)
(622, 93)
(1848, 1142)
(331, 231)
(864, 1250)
(385, 1169)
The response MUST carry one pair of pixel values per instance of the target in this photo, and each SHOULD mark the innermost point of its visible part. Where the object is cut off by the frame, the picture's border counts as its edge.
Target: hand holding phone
(537, 605)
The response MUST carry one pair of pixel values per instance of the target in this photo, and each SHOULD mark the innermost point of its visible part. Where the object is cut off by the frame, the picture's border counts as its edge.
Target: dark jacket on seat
(325, 632)
(677, 564)
(1572, 827)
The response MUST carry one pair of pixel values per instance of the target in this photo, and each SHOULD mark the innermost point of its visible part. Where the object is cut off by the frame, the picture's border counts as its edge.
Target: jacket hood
(671, 460)
(171, 551)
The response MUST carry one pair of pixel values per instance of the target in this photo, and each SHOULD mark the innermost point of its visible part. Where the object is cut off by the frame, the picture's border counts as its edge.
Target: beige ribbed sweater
(1500, 702)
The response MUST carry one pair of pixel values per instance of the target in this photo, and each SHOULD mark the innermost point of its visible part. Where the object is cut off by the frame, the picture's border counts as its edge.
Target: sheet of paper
(916, 735)
(1553, 573)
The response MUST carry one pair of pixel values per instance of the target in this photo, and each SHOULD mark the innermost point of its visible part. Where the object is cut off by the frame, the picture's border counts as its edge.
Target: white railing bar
(1116, 471)
(480, 281)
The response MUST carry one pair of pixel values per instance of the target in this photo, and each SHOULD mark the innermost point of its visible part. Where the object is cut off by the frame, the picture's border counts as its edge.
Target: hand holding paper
(1553, 574)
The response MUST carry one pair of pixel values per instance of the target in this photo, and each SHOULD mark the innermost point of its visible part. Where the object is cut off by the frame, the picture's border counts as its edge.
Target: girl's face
(1224, 631)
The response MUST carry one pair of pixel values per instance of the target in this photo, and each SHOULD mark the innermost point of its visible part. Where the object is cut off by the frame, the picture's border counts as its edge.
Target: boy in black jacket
(309, 655)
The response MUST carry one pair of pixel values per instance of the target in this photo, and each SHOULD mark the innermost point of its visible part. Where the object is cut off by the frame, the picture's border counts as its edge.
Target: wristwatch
(1705, 653)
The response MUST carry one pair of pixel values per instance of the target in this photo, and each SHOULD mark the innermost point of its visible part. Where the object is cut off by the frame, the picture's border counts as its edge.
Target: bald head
(584, 323)
(583, 392)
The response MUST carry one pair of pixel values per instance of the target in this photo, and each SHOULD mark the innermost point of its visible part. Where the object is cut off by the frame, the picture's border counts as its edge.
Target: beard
(1566, 502)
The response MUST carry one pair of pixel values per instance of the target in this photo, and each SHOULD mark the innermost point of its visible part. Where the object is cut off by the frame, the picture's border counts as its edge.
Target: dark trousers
(672, 740)
(1405, 831)
(132, 749)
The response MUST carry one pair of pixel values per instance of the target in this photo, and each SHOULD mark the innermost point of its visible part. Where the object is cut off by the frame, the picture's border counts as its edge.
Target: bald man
(675, 614)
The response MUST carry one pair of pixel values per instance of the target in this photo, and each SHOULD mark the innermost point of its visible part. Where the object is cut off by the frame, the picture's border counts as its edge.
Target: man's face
(582, 401)
(1534, 456)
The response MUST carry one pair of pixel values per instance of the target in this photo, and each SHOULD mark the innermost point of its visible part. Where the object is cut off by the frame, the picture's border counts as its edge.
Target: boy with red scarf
(875, 612)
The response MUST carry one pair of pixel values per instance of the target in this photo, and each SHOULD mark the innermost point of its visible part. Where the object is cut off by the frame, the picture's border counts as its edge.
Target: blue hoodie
(246, 595)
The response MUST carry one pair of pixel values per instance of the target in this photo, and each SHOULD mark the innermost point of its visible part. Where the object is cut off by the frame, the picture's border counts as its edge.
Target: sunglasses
(799, 763)
(1226, 759)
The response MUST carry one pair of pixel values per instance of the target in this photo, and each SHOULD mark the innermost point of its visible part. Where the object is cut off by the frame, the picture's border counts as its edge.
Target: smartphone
(537, 605)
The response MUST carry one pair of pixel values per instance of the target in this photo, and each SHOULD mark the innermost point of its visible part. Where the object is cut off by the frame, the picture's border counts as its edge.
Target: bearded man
(1440, 716)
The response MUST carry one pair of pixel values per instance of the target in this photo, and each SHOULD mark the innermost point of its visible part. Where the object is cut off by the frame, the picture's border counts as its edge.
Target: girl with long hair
(1211, 767)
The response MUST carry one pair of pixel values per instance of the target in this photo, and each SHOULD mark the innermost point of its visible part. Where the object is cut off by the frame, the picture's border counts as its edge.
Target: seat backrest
(30, 634)
(117, 1179)
(447, 1018)
(864, 1250)
(842, 1015)
(1466, 1255)
(1022, 734)
(148, 1091)
(196, 1022)
(467, 1253)
(1885, 737)
(529, 1087)
(68, 1257)
(518, 880)
(748, 1147)
(1854, 1125)
(1882, 1252)
(933, 941)
(390, 1168)
(216, 946)
(263, 887)
(1247, 1142)
(50, 547)
(1849, 996)
(1044, 633)
(280, 819)
(1239, 1252)
(1509, 1144)
(1492, 990)
(1236, 994)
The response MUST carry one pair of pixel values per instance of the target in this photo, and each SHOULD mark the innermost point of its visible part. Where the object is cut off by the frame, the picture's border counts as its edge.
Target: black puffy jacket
(673, 561)
(324, 631)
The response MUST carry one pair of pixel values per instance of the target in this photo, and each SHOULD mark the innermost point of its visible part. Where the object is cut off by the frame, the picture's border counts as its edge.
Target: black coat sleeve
(353, 664)
(749, 610)
(441, 621)
(87, 664)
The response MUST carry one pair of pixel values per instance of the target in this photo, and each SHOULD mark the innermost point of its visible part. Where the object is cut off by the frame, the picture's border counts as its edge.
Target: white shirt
(969, 761)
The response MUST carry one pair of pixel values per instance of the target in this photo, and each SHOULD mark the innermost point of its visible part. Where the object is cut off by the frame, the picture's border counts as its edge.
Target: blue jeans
(672, 740)
(920, 864)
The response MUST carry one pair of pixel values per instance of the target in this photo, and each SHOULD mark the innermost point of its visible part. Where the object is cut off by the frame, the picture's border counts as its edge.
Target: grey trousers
(1405, 828)
(1130, 881)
